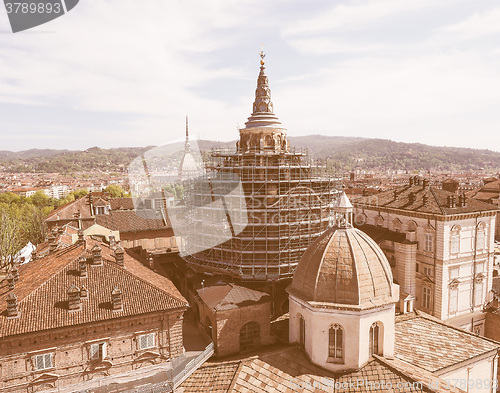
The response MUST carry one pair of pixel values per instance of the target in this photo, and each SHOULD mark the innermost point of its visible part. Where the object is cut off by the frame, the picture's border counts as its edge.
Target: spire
(343, 210)
(262, 115)
(187, 146)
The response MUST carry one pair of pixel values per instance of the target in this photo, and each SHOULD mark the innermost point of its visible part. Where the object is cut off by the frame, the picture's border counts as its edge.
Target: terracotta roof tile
(435, 201)
(433, 345)
(42, 285)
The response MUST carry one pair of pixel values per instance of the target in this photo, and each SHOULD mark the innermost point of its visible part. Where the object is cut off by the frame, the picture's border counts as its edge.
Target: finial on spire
(262, 54)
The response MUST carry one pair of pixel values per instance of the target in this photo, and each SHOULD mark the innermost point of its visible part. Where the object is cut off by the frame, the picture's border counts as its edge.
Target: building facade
(440, 246)
(85, 311)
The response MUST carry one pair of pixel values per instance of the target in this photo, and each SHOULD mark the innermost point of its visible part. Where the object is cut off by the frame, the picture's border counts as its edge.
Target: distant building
(82, 312)
(440, 246)
(490, 193)
(147, 227)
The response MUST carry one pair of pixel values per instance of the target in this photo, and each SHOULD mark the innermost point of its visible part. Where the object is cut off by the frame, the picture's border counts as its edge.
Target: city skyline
(423, 72)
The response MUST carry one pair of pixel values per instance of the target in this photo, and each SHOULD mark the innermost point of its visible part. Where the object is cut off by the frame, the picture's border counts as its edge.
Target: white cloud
(478, 25)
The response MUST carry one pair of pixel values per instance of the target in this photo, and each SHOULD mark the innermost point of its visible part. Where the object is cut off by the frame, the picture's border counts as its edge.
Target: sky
(115, 73)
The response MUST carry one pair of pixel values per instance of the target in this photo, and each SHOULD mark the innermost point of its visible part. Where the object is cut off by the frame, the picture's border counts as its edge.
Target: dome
(346, 267)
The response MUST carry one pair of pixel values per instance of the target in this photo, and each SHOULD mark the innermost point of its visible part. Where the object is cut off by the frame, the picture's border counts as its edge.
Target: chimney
(116, 299)
(12, 308)
(60, 230)
(82, 266)
(96, 255)
(15, 273)
(411, 181)
(83, 292)
(53, 247)
(34, 256)
(112, 241)
(119, 256)
(426, 183)
(462, 200)
(411, 197)
(80, 236)
(74, 300)
(151, 262)
(11, 282)
(425, 200)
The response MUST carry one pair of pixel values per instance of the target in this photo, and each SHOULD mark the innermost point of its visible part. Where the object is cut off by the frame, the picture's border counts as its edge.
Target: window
(426, 298)
(453, 300)
(43, 362)
(428, 271)
(249, 336)
(396, 225)
(302, 331)
(336, 344)
(374, 333)
(146, 341)
(97, 351)
(428, 242)
(99, 210)
(455, 240)
(481, 236)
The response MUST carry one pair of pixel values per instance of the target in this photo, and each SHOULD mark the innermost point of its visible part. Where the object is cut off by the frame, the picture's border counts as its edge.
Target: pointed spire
(262, 114)
(187, 145)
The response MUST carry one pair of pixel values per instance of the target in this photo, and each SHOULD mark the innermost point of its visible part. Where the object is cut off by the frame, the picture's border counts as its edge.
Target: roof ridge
(437, 201)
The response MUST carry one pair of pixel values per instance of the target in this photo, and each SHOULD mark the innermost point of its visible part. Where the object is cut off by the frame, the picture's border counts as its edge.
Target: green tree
(11, 241)
(116, 191)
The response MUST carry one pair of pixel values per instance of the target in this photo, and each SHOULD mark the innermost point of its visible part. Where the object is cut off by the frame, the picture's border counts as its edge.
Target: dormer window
(99, 210)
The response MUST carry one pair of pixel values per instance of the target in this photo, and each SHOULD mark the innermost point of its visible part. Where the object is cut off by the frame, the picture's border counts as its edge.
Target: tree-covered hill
(344, 153)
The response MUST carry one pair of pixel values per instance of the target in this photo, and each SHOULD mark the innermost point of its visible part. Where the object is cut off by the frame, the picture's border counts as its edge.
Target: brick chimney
(15, 273)
(411, 197)
(82, 266)
(11, 282)
(12, 307)
(53, 246)
(119, 256)
(116, 299)
(74, 300)
(96, 255)
(80, 236)
(60, 230)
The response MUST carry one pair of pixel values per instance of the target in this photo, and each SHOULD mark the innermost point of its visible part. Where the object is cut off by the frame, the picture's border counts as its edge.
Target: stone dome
(346, 267)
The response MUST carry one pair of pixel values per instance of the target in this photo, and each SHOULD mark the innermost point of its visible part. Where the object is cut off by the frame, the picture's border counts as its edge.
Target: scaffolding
(287, 200)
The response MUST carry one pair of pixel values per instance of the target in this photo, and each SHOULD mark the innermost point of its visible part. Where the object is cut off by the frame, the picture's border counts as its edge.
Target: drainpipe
(434, 270)
(474, 273)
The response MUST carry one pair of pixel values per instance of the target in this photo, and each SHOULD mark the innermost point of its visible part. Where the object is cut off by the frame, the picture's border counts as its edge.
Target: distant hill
(344, 153)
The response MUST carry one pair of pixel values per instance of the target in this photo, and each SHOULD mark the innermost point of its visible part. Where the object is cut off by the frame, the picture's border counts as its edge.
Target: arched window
(455, 240)
(249, 336)
(396, 225)
(379, 221)
(336, 344)
(411, 226)
(302, 331)
(453, 298)
(481, 236)
(374, 339)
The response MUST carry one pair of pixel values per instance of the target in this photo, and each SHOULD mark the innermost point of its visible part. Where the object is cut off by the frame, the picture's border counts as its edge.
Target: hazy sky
(125, 73)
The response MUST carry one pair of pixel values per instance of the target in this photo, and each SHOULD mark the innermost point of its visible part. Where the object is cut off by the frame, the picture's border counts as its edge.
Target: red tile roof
(228, 296)
(412, 198)
(42, 285)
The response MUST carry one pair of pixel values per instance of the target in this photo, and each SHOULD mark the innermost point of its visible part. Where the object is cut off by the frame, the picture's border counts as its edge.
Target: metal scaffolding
(286, 201)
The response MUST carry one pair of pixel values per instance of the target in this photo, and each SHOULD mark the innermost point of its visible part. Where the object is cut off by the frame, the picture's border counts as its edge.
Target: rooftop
(433, 345)
(422, 198)
(43, 283)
